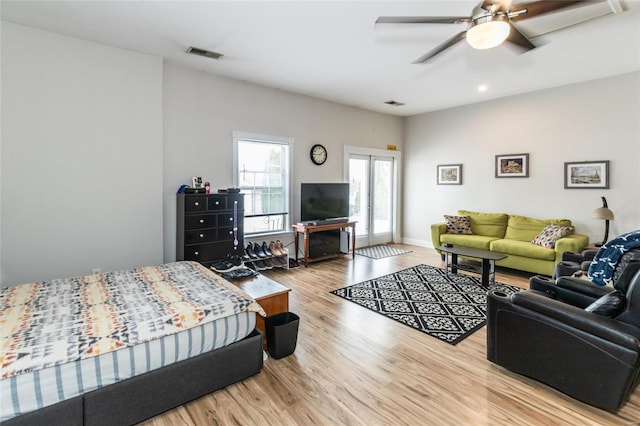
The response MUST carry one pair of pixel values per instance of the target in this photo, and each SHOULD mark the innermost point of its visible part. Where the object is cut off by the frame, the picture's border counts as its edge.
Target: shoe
(257, 249)
(250, 265)
(274, 250)
(245, 256)
(281, 249)
(230, 264)
(293, 263)
(265, 249)
(269, 263)
(250, 252)
(279, 262)
(260, 266)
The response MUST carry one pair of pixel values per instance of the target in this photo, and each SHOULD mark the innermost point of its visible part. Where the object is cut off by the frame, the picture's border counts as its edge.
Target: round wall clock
(318, 154)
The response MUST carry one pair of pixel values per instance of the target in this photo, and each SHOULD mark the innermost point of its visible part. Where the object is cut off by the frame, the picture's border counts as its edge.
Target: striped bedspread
(55, 322)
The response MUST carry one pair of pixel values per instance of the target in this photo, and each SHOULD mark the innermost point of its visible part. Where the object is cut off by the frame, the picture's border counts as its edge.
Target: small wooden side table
(271, 295)
(306, 230)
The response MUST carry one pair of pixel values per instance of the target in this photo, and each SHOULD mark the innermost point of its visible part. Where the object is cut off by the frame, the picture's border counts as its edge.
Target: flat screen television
(322, 201)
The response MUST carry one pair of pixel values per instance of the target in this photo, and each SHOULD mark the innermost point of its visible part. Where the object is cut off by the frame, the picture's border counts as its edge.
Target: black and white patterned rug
(449, 307)
(380, 251)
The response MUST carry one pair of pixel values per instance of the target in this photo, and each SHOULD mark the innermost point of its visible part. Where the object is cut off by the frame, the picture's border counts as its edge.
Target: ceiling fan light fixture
(488, 31)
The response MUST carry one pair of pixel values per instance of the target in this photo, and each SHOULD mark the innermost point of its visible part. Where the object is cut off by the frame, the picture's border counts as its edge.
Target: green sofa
(512, 235)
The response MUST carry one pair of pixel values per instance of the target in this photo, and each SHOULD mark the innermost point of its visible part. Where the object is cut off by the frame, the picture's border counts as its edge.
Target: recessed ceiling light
(482, 88)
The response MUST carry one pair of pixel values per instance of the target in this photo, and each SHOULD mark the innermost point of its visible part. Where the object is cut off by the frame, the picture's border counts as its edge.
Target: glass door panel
(382, 196)
(359, 193)
(371, 198)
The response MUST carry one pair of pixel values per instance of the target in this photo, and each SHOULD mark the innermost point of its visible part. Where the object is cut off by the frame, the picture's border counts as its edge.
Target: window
(262, 172)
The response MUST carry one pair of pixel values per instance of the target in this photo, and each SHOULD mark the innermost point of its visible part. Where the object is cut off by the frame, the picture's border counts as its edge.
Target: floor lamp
(605, 214)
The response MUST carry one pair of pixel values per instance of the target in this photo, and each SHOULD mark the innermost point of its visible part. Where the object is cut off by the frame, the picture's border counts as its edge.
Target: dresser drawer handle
(230, 219)
(217, 203)
(196, 253)
(196, 203)
(201, 220)
(230, 232)
(201, 235)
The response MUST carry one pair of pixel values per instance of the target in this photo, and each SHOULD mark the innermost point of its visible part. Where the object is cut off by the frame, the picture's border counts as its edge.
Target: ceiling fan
(490, 23)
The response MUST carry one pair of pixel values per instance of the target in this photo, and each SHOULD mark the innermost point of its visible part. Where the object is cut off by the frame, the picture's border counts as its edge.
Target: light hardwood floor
(355, 367)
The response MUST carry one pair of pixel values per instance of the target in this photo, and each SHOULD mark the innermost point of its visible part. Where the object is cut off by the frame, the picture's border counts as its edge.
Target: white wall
(597, 120)
(202, 110)
(81, 178)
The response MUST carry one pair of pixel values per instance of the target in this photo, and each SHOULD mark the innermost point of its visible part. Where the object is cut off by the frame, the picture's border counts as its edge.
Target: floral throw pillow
(550, 234)
(458, 224)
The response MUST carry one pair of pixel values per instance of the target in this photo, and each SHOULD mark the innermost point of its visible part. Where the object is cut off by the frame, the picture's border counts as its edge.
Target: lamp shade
(603, 213)
(488, 32)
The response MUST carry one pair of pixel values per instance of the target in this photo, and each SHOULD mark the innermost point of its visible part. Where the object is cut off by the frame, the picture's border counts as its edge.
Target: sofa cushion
(522, 248)
(522, 228)
(458, 224)
(472, 241)
(487, 224)
(550, 234)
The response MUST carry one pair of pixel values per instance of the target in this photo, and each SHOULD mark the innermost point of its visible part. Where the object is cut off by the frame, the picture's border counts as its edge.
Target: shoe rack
(254, 253)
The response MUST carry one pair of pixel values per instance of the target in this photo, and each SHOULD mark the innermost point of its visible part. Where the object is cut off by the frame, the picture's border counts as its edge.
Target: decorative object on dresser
(209, 227)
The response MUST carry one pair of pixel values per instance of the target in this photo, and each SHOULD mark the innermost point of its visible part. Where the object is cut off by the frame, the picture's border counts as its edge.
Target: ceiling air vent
(205, 53)
(394, 103)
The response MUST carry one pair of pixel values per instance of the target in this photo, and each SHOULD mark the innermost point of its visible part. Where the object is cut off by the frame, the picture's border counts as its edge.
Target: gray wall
(202, 110)
(81, 184)
(96, 140)
(596, 120)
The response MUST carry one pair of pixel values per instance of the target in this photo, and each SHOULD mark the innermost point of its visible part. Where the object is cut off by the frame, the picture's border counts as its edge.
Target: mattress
(30, 391)
(67, 337)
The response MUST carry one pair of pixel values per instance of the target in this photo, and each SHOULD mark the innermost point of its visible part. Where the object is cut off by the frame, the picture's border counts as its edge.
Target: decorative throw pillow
(550, 234)
(458, 224)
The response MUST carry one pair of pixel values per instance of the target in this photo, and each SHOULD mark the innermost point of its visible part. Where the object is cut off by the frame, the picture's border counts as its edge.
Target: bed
(120, 347)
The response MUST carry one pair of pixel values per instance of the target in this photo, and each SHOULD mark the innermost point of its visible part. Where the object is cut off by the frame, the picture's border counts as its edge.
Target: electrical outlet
(95, 271)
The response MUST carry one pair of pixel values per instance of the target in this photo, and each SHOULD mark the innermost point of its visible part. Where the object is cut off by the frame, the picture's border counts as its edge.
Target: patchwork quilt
(53, 322)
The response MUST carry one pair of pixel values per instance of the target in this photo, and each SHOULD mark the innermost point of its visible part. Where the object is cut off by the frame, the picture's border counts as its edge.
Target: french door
(372, 197)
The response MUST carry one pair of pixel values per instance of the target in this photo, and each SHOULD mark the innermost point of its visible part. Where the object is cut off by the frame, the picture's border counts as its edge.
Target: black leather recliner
(570, 334)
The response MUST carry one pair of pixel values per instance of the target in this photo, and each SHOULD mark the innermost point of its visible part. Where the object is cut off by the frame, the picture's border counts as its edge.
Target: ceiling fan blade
(519, 39)
(447, 44)
(422, 20)
(541, 7)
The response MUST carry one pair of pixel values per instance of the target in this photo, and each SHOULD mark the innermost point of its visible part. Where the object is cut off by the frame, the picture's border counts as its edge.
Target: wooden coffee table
(271, 295)
(488, 261)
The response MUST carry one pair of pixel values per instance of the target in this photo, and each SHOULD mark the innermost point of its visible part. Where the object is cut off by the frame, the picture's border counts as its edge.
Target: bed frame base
(138, 398)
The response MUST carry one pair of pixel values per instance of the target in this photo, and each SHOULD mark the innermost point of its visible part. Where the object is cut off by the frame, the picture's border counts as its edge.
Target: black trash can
(282, 334)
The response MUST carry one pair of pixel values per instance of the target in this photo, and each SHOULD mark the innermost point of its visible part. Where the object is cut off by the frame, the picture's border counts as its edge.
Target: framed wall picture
(512, 165)
(450, 174)
(586, 174)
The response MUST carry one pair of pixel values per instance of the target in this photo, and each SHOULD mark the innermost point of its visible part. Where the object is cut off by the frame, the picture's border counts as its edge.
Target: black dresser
(209, 227)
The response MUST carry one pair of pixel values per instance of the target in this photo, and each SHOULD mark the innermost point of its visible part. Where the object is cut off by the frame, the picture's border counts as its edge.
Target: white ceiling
(332, 50)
